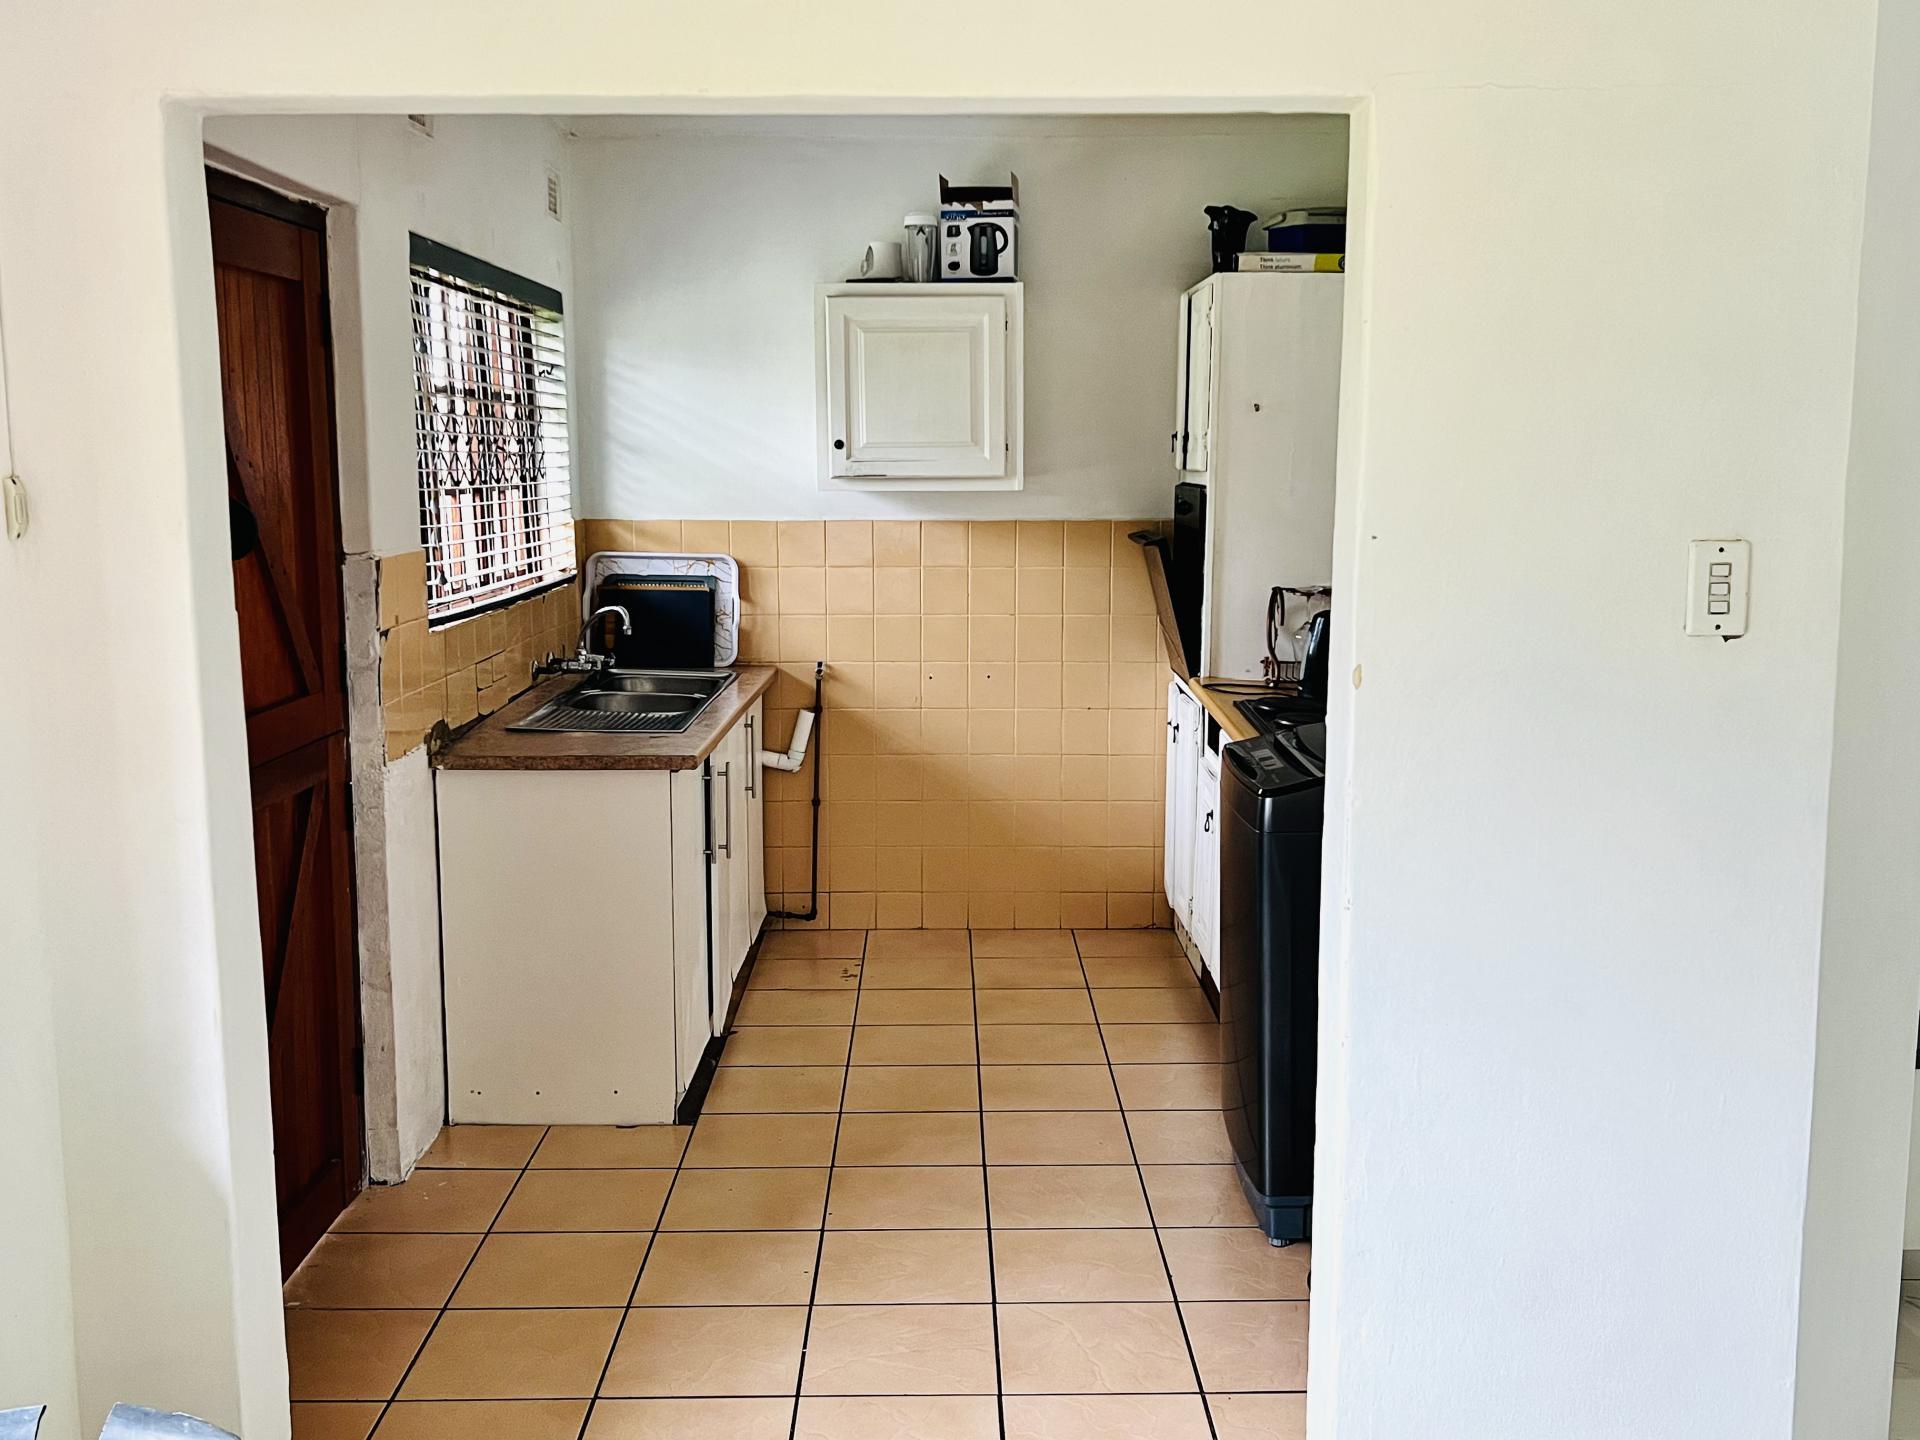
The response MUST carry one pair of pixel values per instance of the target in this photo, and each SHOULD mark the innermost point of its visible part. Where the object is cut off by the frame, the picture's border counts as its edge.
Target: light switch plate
(1717, 572)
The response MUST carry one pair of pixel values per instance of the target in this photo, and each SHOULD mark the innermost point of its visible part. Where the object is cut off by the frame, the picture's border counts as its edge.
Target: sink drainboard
(572, 717)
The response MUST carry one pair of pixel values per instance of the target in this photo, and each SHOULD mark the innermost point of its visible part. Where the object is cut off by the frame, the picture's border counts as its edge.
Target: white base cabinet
(1193, 823)
(593, 923)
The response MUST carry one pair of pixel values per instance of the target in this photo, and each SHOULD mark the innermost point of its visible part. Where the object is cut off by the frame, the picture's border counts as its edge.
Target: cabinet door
(724, 882)
(1183, 754)
(691, 871)
(1196, 394)
(1205, 924)
(917, 386)
(756, 829)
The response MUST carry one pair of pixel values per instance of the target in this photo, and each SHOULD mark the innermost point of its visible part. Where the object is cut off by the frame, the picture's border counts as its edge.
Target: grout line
(826, 1200)
(986, 1196)
(1139, 1175)
(447, 1304)
(633, 1289)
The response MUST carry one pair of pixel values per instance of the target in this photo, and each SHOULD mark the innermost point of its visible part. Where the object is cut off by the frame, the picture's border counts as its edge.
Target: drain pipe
(803, 726)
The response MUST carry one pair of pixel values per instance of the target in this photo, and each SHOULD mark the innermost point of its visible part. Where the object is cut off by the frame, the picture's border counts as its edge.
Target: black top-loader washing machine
(1273, 792)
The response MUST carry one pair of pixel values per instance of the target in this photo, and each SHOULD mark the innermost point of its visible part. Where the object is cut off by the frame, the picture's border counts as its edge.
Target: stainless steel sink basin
(630, 701)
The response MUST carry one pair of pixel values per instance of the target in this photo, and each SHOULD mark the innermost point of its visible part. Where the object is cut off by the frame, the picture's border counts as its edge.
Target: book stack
(1303, 262)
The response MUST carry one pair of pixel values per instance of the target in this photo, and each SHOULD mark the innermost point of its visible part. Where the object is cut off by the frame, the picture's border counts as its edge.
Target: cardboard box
(979, 230)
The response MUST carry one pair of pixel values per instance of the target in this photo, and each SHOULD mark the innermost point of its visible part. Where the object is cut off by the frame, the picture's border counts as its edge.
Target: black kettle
(986, 243)
(1313, 663)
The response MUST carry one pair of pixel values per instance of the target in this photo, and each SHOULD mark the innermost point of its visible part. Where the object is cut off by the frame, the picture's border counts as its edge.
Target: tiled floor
(947, 1186)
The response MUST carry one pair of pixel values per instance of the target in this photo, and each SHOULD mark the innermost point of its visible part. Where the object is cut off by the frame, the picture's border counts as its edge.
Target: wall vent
(553, 194)
(422, 123)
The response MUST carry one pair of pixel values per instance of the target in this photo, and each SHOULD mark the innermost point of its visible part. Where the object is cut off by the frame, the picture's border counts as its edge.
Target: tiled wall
(996, 696)
(463, 670)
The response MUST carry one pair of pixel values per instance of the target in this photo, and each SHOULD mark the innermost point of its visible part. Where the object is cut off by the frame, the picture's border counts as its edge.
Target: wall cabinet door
(1196, 379)
(756, 827)
(1183, 758)
(916, 386)
(1204, 926)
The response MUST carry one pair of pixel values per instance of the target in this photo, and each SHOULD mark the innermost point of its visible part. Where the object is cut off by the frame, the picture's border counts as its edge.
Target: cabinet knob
(839, 444)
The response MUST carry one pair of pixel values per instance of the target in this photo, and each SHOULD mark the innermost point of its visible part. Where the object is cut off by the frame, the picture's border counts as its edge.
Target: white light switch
(1717, 587)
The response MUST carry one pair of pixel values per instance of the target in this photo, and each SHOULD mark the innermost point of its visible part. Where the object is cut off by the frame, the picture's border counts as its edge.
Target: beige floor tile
(482, 1147)
(773, 974)
(1249, 1345)
(605, 1147)
(899, 1267)
(913, 1087)
(1093, 1349)
(932, 1139)
(813, 945)
(334, 1420)
(1185, 1195)
(1235, 1265)
(1258, 1417)
(351, 1354)
(788, 1199)
(1129, 943)
(1106, 1417)
(917, 972)
(1042, 1265)
(795, 1007)
(380, 1272)
(587, 1200)
(1018, 1137)
(1129, 973)
(731, 1268)
(1035, 1007)
(915, 1007)
(1047, 1087)
(727, 1350)
(1064, 1196)
(513, 1355)
(913, 1045)
(1180, 1137)
(430, 1201)
(1168, 1087)
(760, 1142)
(900, 1350)
(786, 1045)
(1162, 1044)
(1153, 1007)
(898, 1417)
(494, 1419)
(917, 945)
(1022, 944)
(1037, 972)
(1041, 1045)
(907, 1197)
(774, 1089)
(553, 1270)
(691, 1420)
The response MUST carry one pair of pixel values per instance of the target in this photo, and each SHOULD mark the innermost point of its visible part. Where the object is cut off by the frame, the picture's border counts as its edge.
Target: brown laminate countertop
(491, 746)
(1219, 704)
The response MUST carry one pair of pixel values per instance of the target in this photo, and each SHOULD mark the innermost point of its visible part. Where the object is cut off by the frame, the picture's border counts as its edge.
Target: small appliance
(979, 230)
(672, 621)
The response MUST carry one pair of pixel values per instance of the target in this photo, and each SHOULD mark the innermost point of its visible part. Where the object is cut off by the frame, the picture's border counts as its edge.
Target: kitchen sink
(629, 702)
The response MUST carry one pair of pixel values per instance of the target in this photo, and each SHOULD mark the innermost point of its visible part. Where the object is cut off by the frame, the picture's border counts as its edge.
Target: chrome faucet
(584, 657)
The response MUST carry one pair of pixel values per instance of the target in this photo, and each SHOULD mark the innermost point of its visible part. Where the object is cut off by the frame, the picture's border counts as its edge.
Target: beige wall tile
(850, 542)
(754, 542)
(896, 590)
(896, 542)
(803, 542)
(991, 542)
(706, 537)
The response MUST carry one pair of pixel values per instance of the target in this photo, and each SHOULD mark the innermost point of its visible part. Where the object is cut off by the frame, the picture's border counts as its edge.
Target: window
(490, 427)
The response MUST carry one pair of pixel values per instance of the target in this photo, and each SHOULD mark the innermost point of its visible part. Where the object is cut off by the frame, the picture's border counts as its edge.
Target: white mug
(882, 260)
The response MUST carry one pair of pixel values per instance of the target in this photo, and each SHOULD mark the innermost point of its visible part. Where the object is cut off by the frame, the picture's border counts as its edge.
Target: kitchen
(992, 737)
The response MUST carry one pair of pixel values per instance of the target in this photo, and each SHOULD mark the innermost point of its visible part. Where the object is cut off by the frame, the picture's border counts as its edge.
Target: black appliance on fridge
(1272, 806)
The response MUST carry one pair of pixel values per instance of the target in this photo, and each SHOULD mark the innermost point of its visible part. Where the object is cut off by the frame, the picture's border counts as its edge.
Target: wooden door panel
(270, 292)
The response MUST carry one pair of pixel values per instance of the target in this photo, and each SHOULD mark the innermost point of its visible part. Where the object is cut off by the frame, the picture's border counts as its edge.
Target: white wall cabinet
(1258, 411)
(593, 925)
(920, 387)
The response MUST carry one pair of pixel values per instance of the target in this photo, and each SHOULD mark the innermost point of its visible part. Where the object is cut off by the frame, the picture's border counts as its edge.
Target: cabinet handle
(725, 773)
(1206, 825)
(753, 759)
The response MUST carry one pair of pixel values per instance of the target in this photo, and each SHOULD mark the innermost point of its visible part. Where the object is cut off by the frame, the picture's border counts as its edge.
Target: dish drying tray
(723, 568)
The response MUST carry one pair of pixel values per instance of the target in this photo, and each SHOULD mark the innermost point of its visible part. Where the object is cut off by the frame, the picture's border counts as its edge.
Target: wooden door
(270, 288)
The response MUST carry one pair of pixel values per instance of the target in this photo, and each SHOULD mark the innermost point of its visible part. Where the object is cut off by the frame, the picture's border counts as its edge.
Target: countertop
(489, 745)
(1219, 704)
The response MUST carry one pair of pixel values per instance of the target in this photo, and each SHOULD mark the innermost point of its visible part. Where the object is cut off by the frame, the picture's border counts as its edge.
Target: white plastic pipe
(796, 752)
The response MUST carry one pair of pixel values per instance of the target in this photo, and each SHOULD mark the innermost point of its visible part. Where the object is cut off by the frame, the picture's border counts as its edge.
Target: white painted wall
(1580, 863)
(478, 184)
(1869, 985)
(701, 243)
